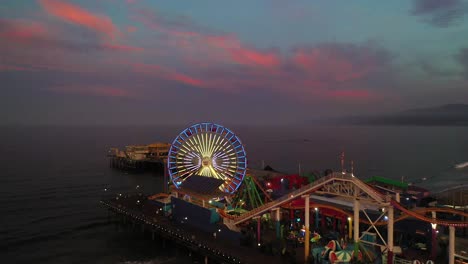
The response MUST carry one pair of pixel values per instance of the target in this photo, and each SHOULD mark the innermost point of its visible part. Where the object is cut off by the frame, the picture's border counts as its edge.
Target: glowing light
(434, 226)
(316, 209)
(386, 218)
(349, 218)
(209, 150)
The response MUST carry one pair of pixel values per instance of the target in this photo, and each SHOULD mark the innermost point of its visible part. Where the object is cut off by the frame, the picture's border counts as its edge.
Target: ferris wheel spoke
(209, 142)
(192, 145)
(213, 139)
(188, 170)
(213, 144)
(204, 138)
(198, 144)
(204, 143)
(214, 173)
(223, 144)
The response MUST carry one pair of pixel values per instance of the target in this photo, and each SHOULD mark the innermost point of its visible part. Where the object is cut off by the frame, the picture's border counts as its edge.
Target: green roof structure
(377, 179)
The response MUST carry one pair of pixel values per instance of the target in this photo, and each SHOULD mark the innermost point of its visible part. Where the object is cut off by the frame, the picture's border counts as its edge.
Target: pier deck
(151, 218)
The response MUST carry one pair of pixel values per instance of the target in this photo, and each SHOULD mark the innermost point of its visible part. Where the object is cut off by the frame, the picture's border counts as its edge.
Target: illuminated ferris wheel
(209, 150)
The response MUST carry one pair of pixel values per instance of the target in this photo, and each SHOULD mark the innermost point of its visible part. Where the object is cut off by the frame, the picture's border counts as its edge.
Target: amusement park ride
(207, 166)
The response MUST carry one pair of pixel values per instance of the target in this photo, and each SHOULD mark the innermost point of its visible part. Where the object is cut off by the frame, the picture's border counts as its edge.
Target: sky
(154, 62)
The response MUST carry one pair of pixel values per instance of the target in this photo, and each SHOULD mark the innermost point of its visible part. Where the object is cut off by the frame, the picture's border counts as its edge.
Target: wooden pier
(150, 218)
(123, 163)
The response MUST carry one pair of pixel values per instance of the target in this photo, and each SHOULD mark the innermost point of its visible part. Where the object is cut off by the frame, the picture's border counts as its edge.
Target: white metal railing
(396, 260)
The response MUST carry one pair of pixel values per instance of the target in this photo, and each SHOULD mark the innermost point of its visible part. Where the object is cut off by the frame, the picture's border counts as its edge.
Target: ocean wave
(461, 165)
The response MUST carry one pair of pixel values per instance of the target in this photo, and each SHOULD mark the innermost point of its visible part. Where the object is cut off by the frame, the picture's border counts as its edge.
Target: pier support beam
(390, 234)
(206, 259)
(166, 178)
(451, 245)
(307, 233)
(356, 208)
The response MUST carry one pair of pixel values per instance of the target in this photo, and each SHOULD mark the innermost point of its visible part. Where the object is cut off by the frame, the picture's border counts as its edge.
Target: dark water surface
(53, 177)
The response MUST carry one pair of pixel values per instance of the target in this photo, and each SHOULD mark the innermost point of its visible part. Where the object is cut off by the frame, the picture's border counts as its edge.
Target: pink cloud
(76, 15)
(22, 31)
(166, 73)
(338, 63)
(191, 38)
(131, 29)
(118, 47)
(350, 94)
(253, 57)
(4, 67)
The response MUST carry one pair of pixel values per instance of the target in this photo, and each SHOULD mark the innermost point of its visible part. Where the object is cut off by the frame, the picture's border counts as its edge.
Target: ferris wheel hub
(206, 161)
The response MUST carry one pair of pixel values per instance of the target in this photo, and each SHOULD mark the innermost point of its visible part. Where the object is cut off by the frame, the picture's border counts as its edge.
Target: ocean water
(52, 179)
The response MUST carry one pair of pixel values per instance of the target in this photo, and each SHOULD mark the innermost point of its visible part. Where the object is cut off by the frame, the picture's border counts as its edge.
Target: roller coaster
(366, 192)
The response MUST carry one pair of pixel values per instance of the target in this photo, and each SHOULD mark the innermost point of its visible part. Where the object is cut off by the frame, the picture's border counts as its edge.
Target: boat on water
(461, 165)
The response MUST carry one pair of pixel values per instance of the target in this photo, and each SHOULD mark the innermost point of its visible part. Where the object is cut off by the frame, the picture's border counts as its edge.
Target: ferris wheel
(210, 150)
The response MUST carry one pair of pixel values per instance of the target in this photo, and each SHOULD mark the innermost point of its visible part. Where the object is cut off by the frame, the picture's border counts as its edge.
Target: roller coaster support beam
(316, 218)
(356, 208)
(278, 223)
(307, 233)
(390, 234)
(451, 245)
(259, 220)
(434, 238)
(350, 228)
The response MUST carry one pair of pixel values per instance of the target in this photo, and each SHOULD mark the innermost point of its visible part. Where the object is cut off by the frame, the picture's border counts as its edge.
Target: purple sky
(236, 62)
